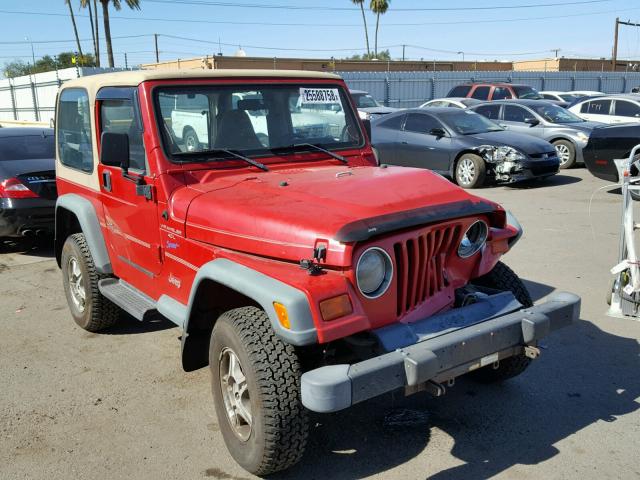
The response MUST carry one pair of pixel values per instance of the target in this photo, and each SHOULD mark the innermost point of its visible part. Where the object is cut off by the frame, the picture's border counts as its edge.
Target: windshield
(556, 114)
(254, 119)
(527, 92)
(466, 122)
(27, 147)
(365, 101)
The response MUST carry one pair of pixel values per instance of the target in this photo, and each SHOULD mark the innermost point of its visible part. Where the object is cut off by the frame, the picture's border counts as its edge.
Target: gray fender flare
(88, 219)
(263, 289)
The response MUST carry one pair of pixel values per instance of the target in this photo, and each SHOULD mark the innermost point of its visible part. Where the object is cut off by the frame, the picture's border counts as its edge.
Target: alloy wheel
(235, 394)
(466, 171)
(76, 284)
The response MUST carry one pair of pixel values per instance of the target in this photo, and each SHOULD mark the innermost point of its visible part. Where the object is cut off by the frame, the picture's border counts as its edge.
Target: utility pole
(555, 50)
(155, 37)
(126, 64)
(403, 52)
(614, 60)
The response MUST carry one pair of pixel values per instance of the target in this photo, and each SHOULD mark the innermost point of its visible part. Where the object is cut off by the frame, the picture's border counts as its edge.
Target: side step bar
(132, 301)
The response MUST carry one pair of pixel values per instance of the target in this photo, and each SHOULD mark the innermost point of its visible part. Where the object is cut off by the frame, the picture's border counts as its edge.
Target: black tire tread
(278, 374)
(104, 313)
(503, 278)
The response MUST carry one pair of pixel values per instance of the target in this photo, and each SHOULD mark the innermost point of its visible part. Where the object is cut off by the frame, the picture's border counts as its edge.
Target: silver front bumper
(335, 387)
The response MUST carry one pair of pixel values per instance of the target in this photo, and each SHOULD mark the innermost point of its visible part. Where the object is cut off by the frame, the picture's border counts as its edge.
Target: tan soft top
(135, 77)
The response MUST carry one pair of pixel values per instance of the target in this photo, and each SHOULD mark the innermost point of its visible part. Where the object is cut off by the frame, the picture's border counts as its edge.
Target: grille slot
(420, 261)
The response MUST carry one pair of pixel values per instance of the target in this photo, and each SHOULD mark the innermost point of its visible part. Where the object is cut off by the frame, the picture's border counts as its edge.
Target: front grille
(545, 155)
(544, 168)
(420, 264)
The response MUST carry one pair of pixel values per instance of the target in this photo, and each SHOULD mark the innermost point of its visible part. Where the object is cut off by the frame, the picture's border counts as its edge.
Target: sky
(482, 29)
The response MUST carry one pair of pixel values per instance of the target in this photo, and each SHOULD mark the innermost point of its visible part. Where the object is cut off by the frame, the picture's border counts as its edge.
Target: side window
(118, 116)
(419, 123)
(438, 103)
(74, 130)
(481, 93)
(626, 109)
(599, 107)
(584, 108)
(489, 111)
(548, 96)
(459, 91)
(515, 114)
(500, 93)
(394, 123)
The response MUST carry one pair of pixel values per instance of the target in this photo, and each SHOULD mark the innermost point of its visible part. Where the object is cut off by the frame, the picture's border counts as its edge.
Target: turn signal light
(335, 307)
(14, 188)
(283, 315)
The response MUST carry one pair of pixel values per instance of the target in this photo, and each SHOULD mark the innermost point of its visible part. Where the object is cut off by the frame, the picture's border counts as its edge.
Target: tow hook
(532, 352)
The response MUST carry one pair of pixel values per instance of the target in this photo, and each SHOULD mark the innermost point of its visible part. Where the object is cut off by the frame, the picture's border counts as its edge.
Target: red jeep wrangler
(247, 208)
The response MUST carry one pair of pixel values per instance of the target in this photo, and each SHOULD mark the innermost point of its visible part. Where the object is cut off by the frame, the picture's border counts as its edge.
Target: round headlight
(373, 272)
(473, 239)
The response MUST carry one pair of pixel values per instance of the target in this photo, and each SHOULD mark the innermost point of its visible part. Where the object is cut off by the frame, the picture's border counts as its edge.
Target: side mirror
(532, 121)
(367, 127)
(115, 150)
(438, 132)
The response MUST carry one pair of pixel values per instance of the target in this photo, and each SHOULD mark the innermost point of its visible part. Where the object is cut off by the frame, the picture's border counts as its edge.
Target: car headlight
(473, 239)
(582, 136)
(503, 153)
(364, 115)
(374, 272)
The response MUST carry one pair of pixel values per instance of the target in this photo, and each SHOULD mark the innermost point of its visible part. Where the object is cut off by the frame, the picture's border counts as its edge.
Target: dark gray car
(27, 181)
(568, 133)
(462, 145)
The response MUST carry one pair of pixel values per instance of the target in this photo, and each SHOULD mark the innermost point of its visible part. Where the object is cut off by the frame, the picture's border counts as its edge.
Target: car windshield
(365, 101)
(527, 93)
(556, 114)
(27, 147)
(254, 119)
(466, 122)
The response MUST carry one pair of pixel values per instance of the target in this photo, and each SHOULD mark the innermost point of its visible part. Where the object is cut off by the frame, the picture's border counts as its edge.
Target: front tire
(504, 279)
(470, 171)
(90, 309)
(190, 140)
(256, 392)
(566, 153)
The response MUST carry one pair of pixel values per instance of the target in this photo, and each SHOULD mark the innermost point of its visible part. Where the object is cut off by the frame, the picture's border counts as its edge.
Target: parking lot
(118, 405)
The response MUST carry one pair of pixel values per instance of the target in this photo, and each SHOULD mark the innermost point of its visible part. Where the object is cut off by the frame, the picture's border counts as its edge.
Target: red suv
(246, 207)
(494, 91)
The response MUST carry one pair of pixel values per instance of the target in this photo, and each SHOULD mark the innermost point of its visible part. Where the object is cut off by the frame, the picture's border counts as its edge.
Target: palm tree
(95, 33)
(379, 7)
(117, 4)
(75, 29)
(364, 20)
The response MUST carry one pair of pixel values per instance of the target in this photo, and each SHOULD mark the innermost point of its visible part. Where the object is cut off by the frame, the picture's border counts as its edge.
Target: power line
(332, 25)
(323, 8)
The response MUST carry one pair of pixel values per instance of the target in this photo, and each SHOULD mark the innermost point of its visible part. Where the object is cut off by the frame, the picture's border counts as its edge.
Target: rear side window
(515, 114)
(500, 93)
(626, 109)
(548, 96)
(118, 116)
(74, 130)
(489, 111)
(420, 123)
(394, 123)
(599, 107)
(481, 93)
(459, 91)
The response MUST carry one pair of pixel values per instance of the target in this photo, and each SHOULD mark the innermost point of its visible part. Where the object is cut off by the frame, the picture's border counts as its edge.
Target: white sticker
(319, 95)
(628, 289)
(489, 359)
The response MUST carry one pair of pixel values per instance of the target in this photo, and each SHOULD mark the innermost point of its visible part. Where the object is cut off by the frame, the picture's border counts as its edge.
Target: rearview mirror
(438, 132)
(115, 150)
(532, 121)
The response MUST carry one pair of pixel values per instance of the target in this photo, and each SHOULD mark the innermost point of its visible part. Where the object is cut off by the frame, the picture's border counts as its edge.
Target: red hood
(282, 213)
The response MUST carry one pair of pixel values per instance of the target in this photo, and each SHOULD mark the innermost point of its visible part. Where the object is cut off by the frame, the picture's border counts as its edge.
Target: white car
(561, 96)
(609, 109)
(455, 102)
(586, 93)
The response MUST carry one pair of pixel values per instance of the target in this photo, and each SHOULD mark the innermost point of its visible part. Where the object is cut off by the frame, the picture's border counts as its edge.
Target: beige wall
(570, 65)
(223, 62)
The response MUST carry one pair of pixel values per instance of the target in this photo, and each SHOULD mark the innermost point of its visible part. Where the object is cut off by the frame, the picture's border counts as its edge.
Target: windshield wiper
(207, 153)
(296, 146)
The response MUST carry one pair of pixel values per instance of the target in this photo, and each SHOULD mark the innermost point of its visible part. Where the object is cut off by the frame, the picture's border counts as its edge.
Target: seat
(235, 132)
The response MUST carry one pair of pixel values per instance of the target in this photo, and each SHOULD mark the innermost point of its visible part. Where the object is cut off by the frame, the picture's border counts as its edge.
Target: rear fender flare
(85, 213)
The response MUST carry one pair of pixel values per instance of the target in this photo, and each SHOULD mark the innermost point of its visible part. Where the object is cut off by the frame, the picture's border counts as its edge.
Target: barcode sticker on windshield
(319, 95)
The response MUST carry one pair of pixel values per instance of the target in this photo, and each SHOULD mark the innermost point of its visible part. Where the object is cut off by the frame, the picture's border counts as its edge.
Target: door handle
(106, 180)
